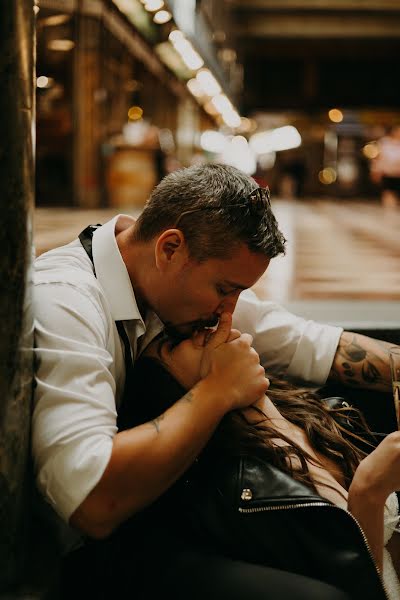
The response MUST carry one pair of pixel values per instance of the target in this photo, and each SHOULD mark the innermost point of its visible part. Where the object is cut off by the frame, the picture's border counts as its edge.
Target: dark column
(88, 125)
(17, 63)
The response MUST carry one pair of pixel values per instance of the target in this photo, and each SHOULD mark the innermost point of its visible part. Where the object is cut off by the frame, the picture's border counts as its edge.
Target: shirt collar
(112, 274)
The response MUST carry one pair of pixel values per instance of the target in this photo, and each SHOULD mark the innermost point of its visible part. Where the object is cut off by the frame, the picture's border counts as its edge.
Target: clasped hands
(231, 363)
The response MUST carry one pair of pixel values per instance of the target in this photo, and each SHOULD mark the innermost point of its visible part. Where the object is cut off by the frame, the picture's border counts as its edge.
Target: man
(206, 234)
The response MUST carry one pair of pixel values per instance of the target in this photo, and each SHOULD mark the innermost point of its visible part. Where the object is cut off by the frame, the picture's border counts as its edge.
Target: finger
(234, 335)
(199, 338)
(246, 337)
(221, 335)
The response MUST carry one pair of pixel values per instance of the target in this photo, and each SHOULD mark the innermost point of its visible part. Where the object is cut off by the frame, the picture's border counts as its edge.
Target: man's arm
(361, 361)
(147, 459)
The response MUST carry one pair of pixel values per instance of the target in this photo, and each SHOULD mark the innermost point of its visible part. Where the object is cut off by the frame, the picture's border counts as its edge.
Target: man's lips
(174, 332)
(203, 324)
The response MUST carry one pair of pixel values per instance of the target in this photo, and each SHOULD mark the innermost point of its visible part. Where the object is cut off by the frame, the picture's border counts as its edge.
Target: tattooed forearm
(362, 361)
(157, 421)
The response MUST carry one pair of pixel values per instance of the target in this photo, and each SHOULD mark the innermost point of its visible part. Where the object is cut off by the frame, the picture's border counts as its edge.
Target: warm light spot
(232, 119)
(54, 20)
(161, 17)
(135, 113)
(213, 141)
(176, 36)
(208, 83)
(327, 176)
(61, 45)
(152, 5)
(274, 140)
(371, 150)
(246, 124)
(210, 109)
(42, 81)
(335, 115)
(195, 88)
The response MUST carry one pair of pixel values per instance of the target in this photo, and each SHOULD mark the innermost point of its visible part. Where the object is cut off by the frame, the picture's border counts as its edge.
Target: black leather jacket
(252, 511)
(245, 508)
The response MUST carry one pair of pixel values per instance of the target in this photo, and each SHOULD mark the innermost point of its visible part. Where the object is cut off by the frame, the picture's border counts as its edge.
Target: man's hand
(230, 361)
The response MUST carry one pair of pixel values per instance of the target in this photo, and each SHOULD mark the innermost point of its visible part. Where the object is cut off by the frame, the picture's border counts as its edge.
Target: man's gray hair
(211, 233)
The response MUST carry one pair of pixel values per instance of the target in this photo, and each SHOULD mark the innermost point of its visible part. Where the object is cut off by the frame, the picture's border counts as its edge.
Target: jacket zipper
(256, 509)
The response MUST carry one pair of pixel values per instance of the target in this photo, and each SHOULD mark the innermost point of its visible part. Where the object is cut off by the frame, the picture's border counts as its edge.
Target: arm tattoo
(361, 361)
(157, 421)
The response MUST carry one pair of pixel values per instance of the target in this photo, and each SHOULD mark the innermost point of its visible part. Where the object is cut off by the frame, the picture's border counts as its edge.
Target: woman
(294, 442)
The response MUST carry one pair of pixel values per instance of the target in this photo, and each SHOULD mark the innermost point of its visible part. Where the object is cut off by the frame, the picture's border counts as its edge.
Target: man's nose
(228, 304)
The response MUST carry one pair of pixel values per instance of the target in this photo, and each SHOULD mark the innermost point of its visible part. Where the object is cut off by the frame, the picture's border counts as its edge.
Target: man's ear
(171, 250)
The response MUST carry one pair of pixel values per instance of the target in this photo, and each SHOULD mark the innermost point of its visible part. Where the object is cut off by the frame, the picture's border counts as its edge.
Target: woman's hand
(189, 360)
(378, 475)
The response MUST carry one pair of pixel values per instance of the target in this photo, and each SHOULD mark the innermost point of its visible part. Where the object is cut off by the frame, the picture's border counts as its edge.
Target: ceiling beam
(275, 25)
(316, 48)
(311, 5)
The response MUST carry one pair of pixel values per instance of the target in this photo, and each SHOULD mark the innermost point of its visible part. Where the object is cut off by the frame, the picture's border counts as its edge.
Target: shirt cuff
(315, 352)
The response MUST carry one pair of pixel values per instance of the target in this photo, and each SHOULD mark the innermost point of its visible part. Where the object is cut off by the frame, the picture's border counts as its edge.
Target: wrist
(215, 394)
(366, 490)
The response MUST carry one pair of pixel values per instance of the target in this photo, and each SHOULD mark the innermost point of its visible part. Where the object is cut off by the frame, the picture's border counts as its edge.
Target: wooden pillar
(17, 72)
(87, 114)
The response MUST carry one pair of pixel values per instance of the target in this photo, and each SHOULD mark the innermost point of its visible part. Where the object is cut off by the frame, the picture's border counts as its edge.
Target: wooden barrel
(131, 176)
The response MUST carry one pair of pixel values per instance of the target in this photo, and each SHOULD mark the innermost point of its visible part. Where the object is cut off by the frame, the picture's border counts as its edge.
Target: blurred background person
(385, 168)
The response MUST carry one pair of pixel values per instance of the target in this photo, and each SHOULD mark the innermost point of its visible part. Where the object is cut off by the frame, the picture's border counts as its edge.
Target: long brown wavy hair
(336, 433)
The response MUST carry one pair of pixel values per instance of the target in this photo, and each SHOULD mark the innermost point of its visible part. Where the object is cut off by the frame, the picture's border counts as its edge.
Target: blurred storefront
(114, 113)
(129, 90)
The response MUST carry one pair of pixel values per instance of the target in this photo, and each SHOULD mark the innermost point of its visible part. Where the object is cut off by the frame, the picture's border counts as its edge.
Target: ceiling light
(175, 36)
(60, 45)
(238, 154)
(335, 115)
(282, 138)
(371, 150)
(152, 5)
(194, 88)
(213, 141)
(208, 83)
(135, 113)
(161, 17)
(210, 109)
(55, 20)
(43, 82)
(232, 119)
(327, 176)
(222, 103)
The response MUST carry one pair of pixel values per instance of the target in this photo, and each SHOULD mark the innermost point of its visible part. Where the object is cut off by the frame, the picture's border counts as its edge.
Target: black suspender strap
(127, 347)
(85, 238)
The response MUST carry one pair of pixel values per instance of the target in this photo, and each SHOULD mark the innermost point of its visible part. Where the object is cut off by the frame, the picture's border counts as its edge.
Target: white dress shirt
(80, 362)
